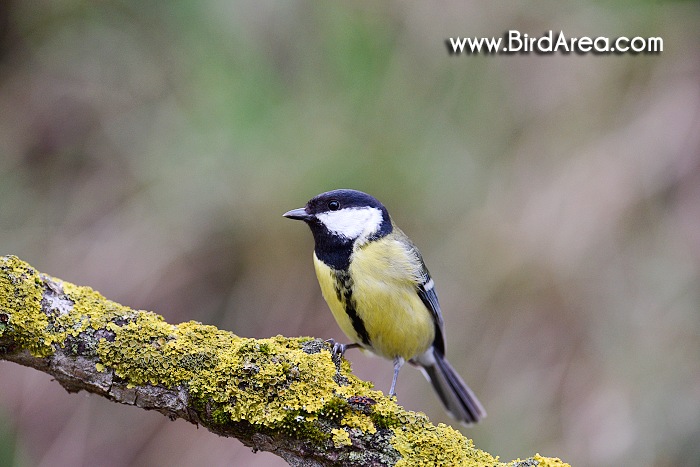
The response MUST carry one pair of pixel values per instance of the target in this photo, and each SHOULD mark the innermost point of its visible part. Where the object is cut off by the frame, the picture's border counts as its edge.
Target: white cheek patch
(352, 223)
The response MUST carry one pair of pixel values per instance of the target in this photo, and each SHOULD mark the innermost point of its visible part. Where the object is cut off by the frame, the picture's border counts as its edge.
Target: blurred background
(149, 149)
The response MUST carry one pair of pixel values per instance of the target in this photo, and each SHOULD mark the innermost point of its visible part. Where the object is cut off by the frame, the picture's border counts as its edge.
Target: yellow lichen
(20, 301)
(359, 421)
(260, 381)
(91, 309)
(428, 445)
(340, 437)
(357, 387)
(549, 461)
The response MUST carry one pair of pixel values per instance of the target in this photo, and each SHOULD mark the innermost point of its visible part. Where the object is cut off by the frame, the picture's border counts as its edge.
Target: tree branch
(288, 396)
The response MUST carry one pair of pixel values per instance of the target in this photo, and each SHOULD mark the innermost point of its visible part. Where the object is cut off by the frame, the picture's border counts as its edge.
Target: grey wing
(426, 292)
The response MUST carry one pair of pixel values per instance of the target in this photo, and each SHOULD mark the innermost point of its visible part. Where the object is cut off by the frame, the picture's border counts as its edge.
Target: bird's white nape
(352, 223)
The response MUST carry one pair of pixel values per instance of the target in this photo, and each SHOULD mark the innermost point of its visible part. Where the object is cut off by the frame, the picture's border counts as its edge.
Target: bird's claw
(339, 349)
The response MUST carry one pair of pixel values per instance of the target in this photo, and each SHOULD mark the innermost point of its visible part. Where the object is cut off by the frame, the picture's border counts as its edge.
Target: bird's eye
(334, 205)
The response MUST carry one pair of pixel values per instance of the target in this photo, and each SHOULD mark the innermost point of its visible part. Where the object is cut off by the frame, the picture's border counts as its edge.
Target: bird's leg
(339, 349)
(398, 363)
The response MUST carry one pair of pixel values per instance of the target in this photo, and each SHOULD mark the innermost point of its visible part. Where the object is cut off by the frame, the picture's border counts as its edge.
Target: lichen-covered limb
(284, 395)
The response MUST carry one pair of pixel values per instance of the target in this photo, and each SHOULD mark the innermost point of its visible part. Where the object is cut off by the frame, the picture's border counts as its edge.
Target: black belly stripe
(343, 290)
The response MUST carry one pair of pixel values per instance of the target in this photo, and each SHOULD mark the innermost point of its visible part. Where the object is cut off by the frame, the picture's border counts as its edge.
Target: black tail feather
(455, 395)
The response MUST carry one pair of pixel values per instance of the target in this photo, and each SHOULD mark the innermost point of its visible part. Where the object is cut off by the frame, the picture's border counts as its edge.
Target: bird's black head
(339, 219)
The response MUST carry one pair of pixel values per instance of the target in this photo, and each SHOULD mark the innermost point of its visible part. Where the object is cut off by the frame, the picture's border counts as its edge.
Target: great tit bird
(380, 292)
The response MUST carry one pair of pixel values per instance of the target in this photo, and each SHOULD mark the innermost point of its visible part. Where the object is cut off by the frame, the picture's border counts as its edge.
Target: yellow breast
(383, 279)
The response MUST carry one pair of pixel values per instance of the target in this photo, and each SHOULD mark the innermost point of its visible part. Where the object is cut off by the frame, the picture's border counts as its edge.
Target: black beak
(298, 214)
